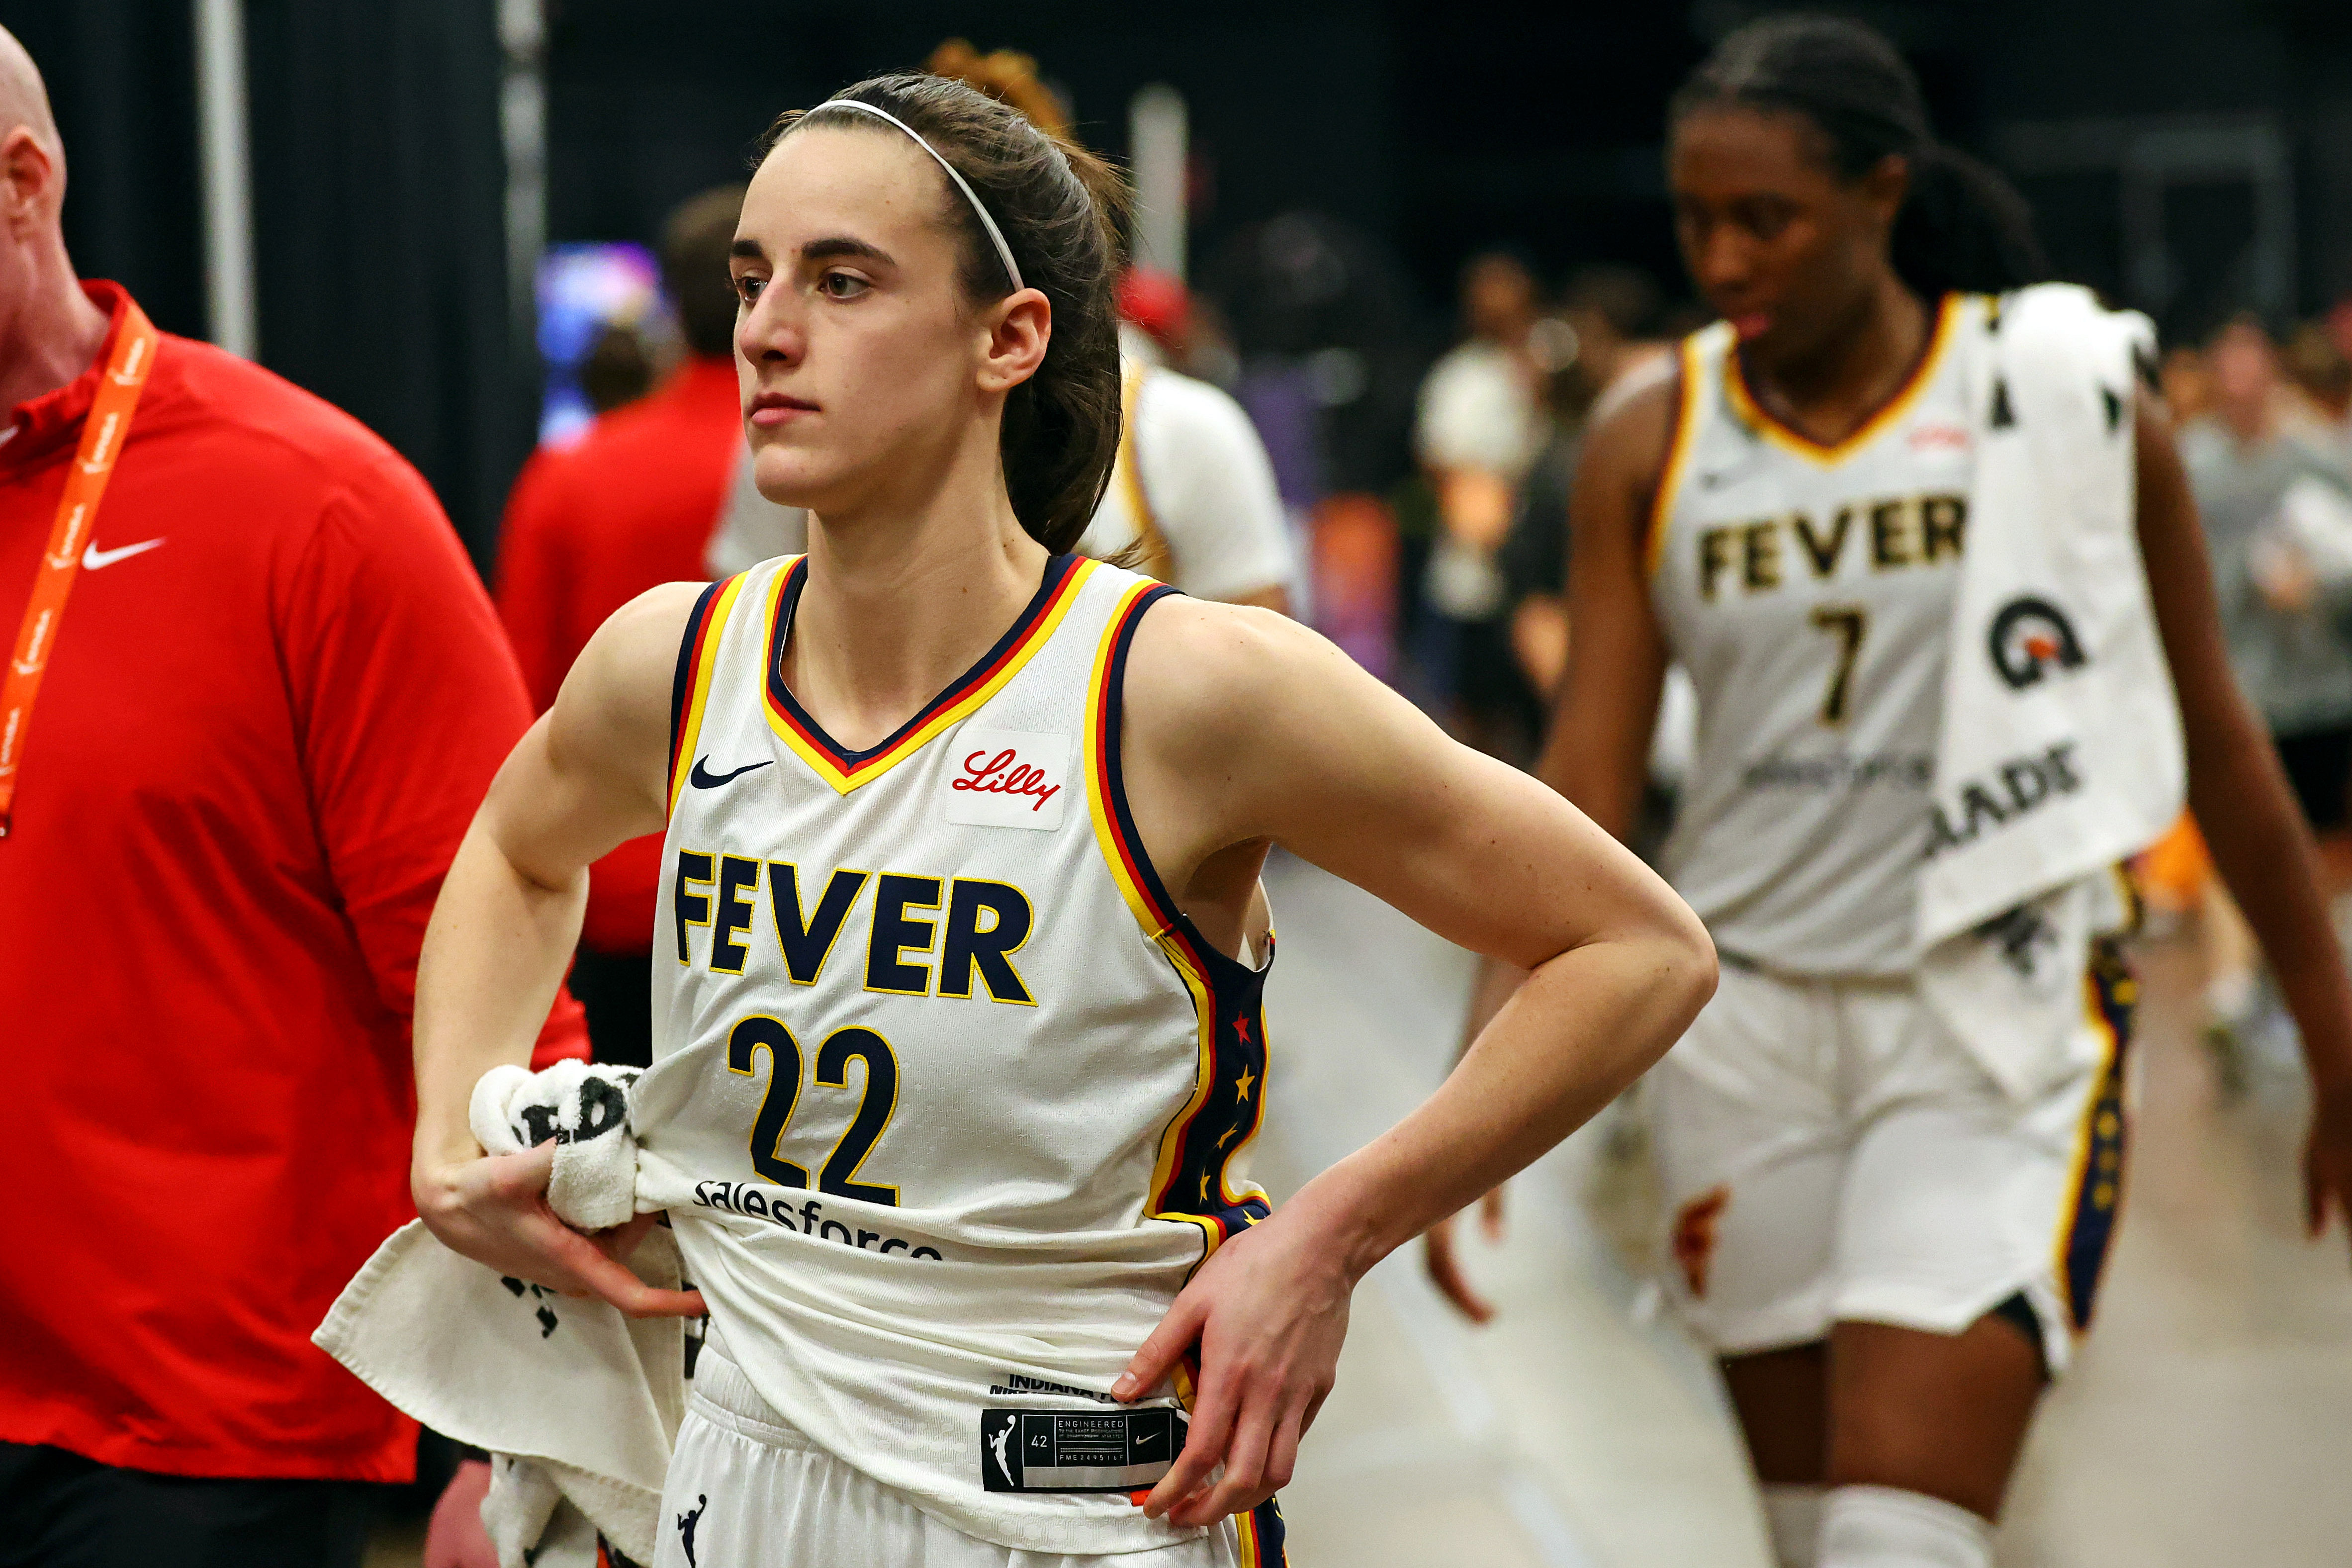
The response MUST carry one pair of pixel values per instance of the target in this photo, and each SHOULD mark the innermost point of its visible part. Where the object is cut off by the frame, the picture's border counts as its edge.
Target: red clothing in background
(277, 697)
(590, 527)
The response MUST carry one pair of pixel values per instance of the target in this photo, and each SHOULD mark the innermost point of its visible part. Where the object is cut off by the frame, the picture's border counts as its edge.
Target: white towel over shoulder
(2062, 751)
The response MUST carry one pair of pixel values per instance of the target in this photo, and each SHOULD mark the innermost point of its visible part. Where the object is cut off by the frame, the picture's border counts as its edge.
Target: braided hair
(1961, 227)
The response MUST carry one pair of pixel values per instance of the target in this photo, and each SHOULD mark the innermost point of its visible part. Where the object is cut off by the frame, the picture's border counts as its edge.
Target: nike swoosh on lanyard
(93, 557)
(700, 779)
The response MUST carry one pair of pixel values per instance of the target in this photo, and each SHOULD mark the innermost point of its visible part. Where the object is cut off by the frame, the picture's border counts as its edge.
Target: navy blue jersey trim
(1214, 963)
(1057, 567)
(2089, 1237)
(682, 681)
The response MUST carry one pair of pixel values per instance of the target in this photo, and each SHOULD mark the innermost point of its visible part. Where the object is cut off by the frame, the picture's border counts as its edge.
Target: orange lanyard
(102, 436)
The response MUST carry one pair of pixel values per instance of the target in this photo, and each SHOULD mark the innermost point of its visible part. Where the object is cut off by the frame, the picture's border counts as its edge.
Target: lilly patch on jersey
(1008, 778)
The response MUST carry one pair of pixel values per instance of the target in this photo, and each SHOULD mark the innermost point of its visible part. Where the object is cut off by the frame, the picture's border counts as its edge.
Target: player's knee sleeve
(1792, 1517)
(1882, 1527)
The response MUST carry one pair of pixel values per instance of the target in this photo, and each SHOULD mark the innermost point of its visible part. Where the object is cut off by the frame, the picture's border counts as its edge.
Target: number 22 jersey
(948, 1099)
(1808, 590)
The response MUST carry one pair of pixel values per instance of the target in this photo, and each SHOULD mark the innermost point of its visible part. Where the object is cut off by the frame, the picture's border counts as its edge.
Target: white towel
(586, 1111)
(581, 1404)
(2060, 751)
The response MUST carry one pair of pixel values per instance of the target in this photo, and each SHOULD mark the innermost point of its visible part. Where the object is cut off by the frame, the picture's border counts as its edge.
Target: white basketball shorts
(748, 1490)
(1830, 1152)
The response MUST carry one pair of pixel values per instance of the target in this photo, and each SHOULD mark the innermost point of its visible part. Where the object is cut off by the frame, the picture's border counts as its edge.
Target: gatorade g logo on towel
(2028, 636)
(604, 1107)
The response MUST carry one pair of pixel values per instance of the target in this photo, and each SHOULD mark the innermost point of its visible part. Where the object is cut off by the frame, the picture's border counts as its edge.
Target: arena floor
(2203, 1423)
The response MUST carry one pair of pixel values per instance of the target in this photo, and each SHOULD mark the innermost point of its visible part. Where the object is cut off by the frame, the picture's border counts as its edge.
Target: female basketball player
(957, 1028)
(1887, 1246)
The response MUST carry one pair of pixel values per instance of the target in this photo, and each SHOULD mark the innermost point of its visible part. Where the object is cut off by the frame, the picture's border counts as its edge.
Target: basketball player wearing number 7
(990, 1021)
(1895, 1141)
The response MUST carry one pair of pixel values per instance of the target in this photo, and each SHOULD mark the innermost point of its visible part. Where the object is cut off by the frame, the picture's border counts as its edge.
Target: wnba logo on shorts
(2028, 636)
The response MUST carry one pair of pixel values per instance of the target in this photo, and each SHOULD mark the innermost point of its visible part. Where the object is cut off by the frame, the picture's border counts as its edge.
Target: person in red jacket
(253, 698)
(590, 527)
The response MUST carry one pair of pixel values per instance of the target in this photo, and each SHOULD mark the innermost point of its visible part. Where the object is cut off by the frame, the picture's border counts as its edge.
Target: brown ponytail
(1060, 208)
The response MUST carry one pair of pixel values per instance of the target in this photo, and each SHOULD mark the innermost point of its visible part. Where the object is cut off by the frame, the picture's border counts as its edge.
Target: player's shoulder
(1645, 397)
(630, 665)
(1201, 673)
(663, 608)
(1632, 423)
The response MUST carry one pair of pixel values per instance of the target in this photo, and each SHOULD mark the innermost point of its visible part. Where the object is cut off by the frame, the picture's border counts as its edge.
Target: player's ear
(1019, 328)
(1884, 184)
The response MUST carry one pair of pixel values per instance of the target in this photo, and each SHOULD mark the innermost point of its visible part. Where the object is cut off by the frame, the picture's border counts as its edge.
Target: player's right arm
(1597, 752)
(592, 773)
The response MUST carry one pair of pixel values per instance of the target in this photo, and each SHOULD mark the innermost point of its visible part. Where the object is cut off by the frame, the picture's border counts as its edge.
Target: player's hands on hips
(1445, 1265)
(2327, 1157)
(493, 1209)
(1269, 1311)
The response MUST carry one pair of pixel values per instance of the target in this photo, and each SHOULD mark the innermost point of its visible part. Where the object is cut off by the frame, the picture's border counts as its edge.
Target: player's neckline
(844, 767)
(1751, 411)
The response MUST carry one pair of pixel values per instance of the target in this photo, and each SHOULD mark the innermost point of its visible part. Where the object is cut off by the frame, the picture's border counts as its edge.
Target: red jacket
(590, 527)
(277, 697)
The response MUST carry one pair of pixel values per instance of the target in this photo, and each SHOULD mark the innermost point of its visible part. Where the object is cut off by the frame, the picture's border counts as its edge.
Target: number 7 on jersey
(1849, 624)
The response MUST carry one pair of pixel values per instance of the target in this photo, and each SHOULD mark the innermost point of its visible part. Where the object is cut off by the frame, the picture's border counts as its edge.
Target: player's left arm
(2238, 794)
(1244, 728)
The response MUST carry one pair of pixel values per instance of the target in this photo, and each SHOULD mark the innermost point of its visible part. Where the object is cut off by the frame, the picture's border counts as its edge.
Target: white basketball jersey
(948, 1099)
(1808, 591)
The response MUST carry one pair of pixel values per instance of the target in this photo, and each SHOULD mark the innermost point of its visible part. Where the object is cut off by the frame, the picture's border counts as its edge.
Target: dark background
(1419, 131)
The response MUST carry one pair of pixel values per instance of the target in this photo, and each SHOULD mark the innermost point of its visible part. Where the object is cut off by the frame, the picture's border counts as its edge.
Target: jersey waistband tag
(1078, 1450)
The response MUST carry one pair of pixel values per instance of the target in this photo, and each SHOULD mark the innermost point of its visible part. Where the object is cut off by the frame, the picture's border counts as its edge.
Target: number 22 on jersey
(839, 1174)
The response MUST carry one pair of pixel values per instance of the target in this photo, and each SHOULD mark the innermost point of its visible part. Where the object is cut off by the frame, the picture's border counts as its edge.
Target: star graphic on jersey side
(1228, 1137)
(1204, 1189)
(1241, 1030)
(1247, 1079)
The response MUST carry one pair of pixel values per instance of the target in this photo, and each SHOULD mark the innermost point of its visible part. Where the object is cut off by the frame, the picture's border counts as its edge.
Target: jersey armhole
(1678, 444)
(1122, 847)
(1190, 1180)
(1162, 920)
(689, 689)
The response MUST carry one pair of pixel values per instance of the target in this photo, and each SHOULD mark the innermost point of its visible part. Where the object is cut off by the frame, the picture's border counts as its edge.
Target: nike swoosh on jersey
(93, 557)
(700, 779)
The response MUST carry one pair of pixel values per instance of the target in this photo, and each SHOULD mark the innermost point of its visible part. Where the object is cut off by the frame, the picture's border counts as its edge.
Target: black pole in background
(379, 202)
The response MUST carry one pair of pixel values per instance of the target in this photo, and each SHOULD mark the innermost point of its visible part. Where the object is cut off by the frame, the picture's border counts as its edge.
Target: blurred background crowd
(1415, 244)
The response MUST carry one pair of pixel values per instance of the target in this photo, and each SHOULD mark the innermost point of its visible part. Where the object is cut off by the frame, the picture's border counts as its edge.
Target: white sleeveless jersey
(948, 1099)
(1808, 591)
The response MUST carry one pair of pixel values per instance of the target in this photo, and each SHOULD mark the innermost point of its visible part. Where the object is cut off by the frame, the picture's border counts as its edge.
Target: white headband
(995, 234)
